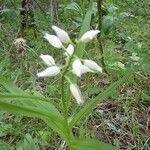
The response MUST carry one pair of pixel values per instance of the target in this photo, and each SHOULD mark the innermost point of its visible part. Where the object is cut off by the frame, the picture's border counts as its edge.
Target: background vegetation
(122, 119)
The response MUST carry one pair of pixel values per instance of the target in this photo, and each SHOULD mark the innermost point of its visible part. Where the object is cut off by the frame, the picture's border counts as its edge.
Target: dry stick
(99, 9)
(54, 12)
(27, 11)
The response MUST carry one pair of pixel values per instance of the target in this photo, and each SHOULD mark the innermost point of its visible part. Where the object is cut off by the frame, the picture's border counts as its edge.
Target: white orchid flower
(89, 35)
(69, 50)
(49, 60)
(53, 40)
(76, 93)
(85, 69)
(62, 35)
(92, 65)
(76, 67)
(50, 71)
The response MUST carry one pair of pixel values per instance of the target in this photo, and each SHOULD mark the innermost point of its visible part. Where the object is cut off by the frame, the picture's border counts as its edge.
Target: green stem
(99, 9)
(64, 103)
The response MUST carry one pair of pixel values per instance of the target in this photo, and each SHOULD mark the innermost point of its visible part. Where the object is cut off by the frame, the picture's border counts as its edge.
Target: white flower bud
(69, 50)
(53, 40)
(51, 71)
(92, 65)
(89, 35)
(76, 67)
(76, 94)
(62, 35)
(49, 60)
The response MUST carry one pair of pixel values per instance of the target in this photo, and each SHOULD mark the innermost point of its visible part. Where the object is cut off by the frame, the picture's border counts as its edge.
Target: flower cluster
(79, 66)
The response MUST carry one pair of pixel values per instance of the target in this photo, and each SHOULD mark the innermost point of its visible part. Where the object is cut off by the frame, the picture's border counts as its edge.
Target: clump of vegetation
(94, 92)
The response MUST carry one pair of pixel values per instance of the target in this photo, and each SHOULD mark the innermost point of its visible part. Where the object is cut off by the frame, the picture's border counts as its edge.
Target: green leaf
(32, 107)
(93, 102)
(29, 143)
(41, 102)
(9, 86)
(90, 144)
(85, 27)
(5, 146)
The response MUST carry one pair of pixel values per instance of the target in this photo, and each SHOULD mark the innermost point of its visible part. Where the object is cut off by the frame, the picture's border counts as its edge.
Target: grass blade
(90, 144)
(85, 27)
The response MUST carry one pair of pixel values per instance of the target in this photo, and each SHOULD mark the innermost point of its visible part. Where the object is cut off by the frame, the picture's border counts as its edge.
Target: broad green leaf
(90, 144)
(29, 143)
(5, 146)
(9, 86)
(55, 121)
(85, 27)
(41, 102)
(87, 109)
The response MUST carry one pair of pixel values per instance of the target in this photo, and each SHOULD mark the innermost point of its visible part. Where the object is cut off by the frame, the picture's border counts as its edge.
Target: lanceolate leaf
(85, 27)
(9, 86)
(90, 144)
(30, 108)
(93, 102)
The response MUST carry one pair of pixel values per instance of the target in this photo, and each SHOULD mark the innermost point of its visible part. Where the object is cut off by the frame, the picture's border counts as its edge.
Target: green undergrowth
(122, 119)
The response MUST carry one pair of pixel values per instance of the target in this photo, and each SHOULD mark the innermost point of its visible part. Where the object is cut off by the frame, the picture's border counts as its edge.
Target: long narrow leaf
(92, 104)
(54, 121)
(9, 86)
(90, 144)
(85, 27)
(23, 97)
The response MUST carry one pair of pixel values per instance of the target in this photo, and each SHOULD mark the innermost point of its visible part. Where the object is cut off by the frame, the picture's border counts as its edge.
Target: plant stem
(64, 104)
(99, 9)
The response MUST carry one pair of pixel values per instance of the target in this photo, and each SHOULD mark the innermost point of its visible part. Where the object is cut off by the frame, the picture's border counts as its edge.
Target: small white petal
(69, 50)
(49, 60)
(53, 40)
(85, 69)
(51, 71)
(76, 93)
(62, 35)
(89, 35)
(76, 67)
(92, 65)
